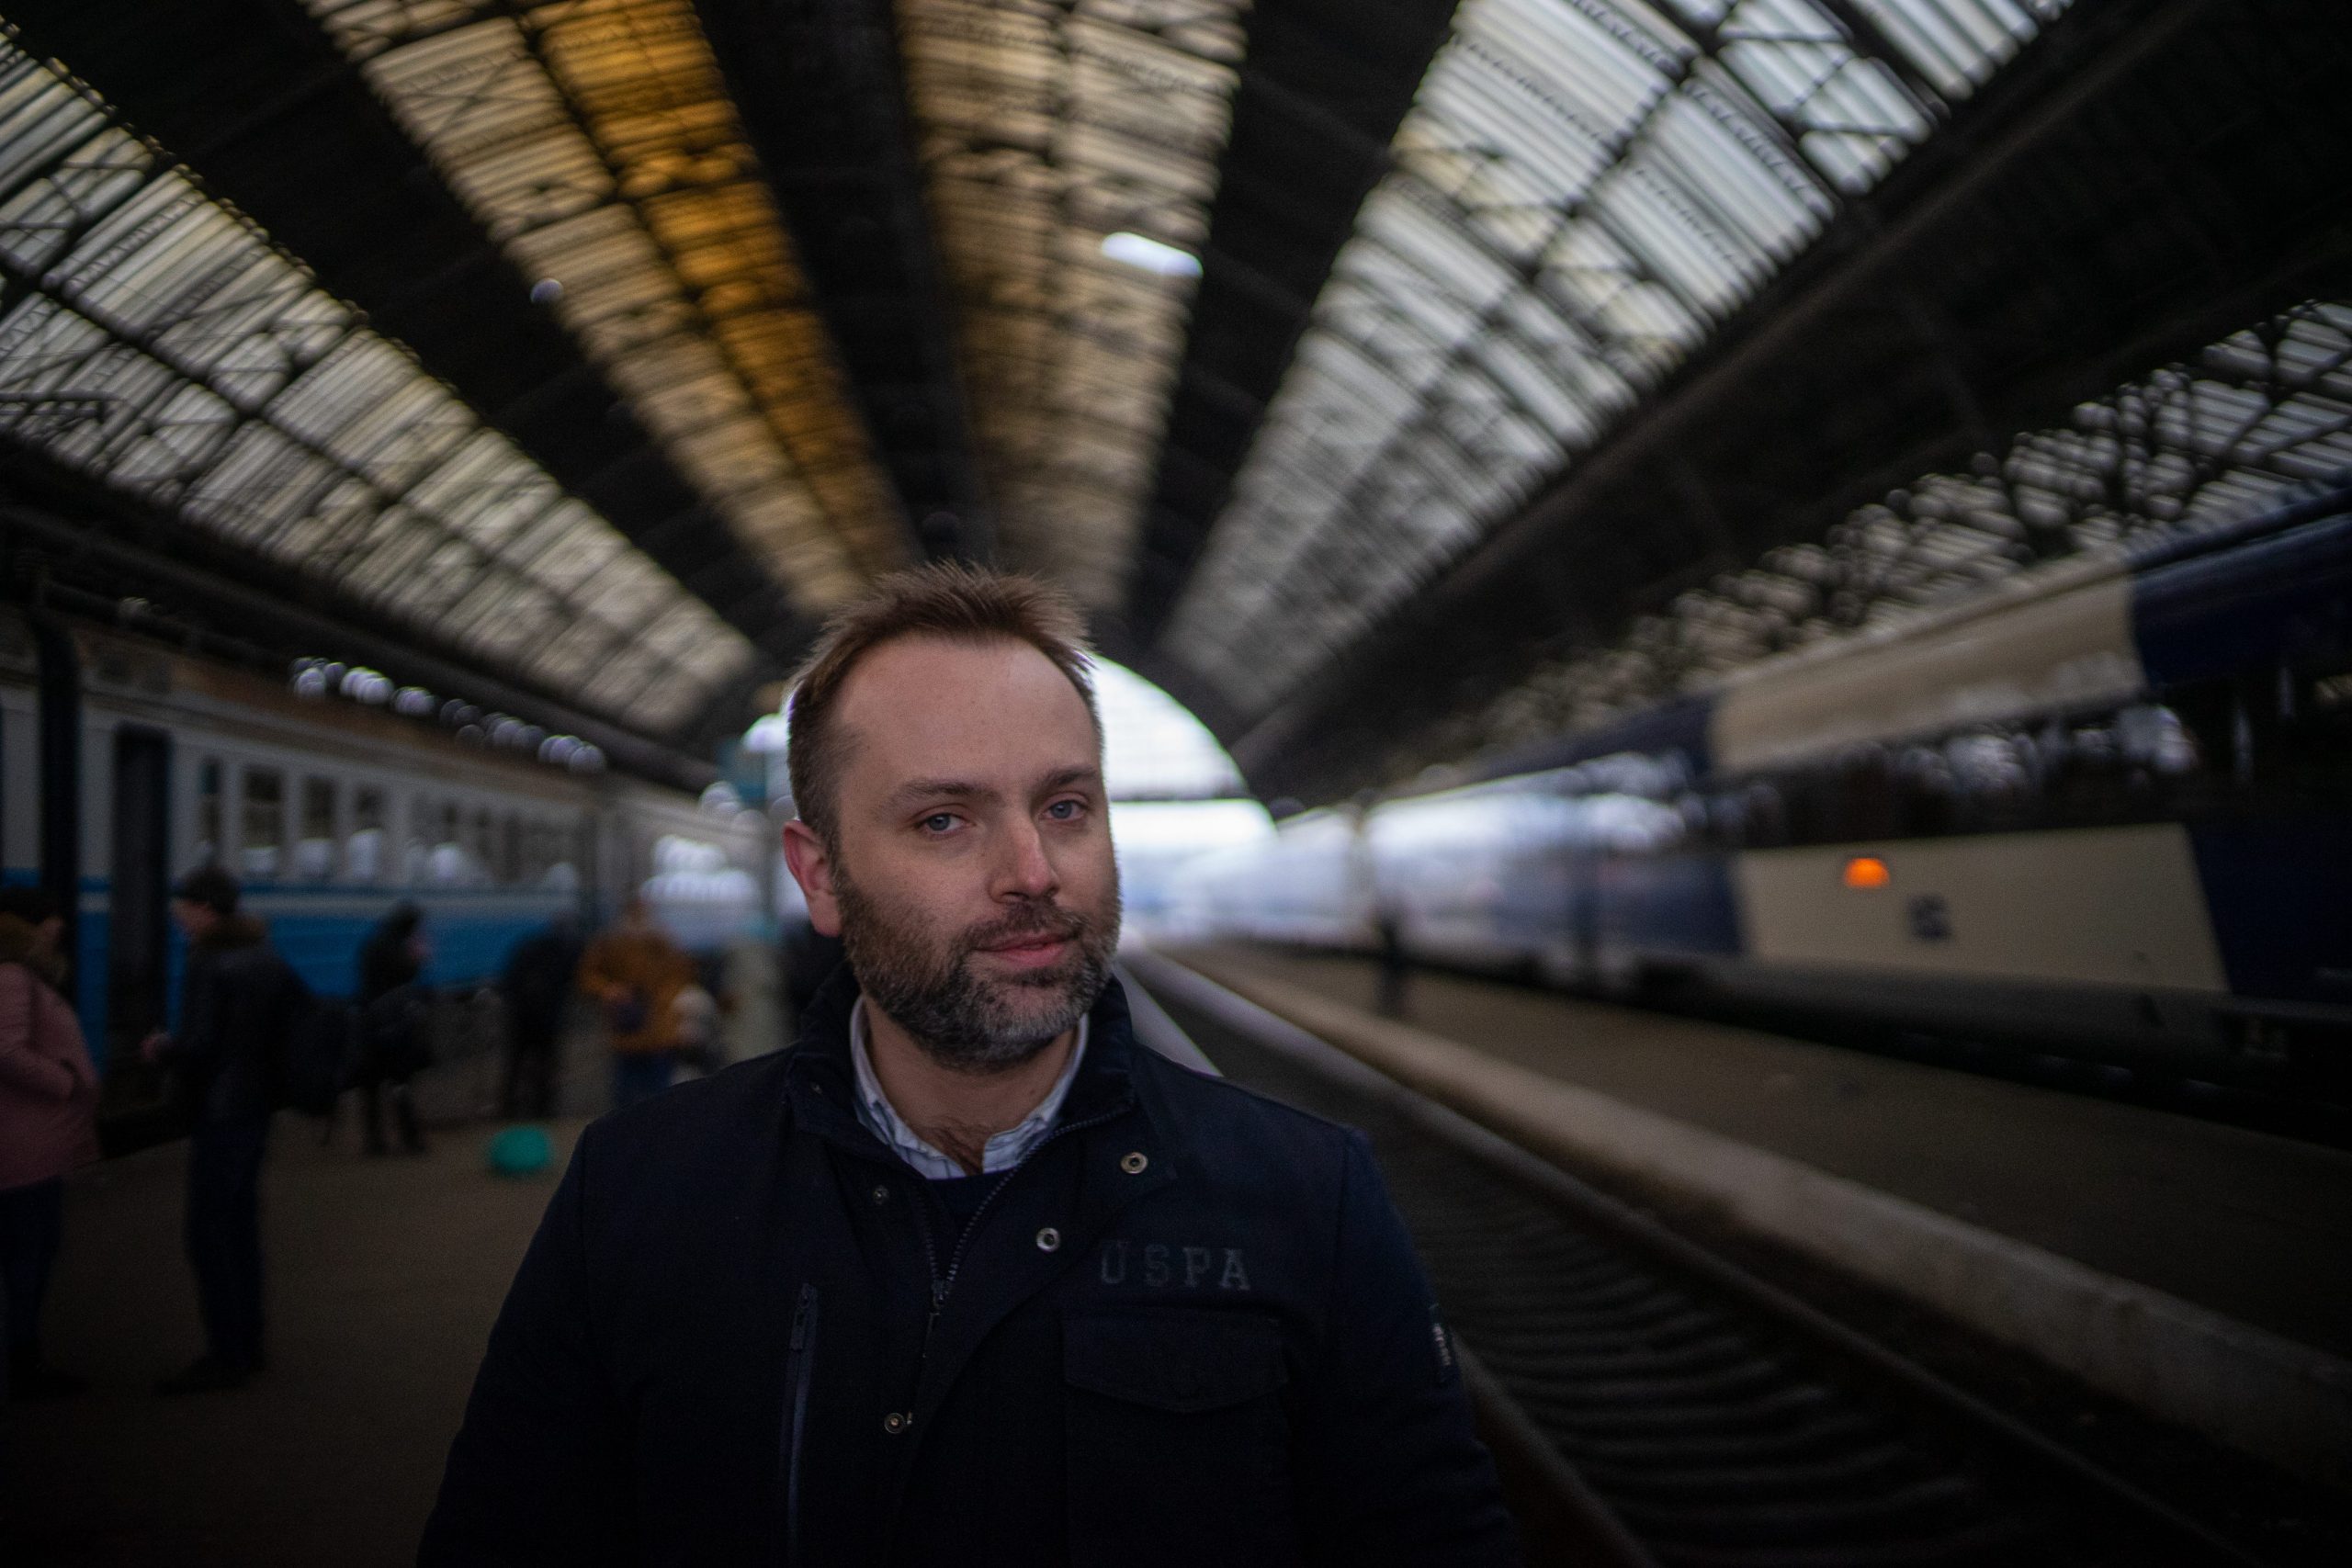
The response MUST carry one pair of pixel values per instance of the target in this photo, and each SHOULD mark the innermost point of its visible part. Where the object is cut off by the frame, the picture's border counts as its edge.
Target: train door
(138, 935)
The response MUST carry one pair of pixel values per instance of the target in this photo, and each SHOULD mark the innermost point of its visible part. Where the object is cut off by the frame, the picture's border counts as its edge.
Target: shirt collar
(1002, 1152)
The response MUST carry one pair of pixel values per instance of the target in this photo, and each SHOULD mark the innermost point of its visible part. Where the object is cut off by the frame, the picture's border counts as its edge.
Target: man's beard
(961, 1019)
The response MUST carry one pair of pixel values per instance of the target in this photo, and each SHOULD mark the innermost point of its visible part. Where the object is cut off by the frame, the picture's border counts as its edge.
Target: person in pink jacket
(49, 1096)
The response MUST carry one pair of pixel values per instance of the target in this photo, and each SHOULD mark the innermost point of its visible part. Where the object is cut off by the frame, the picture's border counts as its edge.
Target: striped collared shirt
(1003, 1151)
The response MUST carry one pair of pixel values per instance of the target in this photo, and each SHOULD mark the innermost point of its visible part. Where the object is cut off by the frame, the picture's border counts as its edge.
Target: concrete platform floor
(2254, 1226)
(384, 1276)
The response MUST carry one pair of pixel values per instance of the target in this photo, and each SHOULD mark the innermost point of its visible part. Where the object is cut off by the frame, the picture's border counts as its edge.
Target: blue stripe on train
(468, 947)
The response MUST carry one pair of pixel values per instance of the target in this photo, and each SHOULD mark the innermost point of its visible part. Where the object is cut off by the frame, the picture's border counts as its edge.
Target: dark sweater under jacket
(1189, 1329)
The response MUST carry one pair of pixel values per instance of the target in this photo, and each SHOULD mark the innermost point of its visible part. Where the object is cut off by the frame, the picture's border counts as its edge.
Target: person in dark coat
(391, 1024)
(968, 1275)
(239, 1001)
(536, 989)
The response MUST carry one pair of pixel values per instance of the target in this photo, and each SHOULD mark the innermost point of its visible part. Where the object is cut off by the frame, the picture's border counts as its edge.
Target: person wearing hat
(238, 1001)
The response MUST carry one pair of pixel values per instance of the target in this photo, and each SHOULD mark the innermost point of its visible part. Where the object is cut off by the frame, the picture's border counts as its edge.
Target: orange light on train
(1866, 871)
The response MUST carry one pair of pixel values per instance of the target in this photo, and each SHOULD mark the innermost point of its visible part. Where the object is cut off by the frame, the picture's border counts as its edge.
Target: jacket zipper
(804, 1354)
(941, 1284)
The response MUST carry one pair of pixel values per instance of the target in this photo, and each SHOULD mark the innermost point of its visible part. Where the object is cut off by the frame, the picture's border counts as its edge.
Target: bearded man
(968, 1277)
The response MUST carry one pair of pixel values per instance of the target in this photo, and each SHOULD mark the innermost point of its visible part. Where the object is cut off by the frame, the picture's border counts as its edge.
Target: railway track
(1654, 1404)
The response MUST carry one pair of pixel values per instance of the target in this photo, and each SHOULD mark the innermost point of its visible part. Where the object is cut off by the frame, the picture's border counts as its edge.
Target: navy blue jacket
(1190, 1328)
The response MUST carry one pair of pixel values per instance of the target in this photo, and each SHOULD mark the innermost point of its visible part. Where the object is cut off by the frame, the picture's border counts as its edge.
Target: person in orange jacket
(635, 973)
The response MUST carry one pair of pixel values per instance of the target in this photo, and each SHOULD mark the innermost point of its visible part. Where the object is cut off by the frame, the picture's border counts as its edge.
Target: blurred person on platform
(536, 988)
(1396, 963)
(238, 1004)
(970, 1275)
(393, 1006)
(635, 972)
(49, 1095)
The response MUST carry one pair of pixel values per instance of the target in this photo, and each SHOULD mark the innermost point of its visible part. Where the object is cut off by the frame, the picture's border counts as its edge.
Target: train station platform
(2197, 1270)
(384, 1276)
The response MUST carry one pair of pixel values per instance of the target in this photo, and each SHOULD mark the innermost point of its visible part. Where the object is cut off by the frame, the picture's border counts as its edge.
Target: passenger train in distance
(329, 810)
(2106, 810)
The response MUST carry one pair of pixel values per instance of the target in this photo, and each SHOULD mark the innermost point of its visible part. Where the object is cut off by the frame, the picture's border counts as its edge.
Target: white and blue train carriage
(2107, 810)
(125, 763)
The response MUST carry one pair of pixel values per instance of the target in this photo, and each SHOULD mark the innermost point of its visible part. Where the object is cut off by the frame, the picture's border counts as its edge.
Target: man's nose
(1026, 871)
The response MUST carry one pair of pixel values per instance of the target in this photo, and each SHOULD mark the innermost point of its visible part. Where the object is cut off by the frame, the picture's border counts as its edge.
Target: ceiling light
(1138, 250)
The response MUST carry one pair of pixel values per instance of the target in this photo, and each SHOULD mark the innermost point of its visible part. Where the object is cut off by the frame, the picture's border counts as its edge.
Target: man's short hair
(211, 887)
(946, 599)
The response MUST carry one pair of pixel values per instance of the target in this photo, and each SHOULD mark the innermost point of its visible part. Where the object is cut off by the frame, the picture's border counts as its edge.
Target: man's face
(971, 878)
(194, 919)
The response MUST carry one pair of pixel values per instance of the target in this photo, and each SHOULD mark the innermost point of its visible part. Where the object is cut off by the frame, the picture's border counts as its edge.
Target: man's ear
(812, 867)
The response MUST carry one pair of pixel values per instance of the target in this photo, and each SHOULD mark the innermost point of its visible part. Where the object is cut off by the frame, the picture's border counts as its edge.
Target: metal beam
(817, 84)
(1326, 83)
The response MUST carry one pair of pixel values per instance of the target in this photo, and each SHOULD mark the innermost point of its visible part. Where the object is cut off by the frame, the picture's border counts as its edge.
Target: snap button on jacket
(1226, 1356)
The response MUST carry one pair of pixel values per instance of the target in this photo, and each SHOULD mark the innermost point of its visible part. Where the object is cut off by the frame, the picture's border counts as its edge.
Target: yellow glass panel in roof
(595, 142)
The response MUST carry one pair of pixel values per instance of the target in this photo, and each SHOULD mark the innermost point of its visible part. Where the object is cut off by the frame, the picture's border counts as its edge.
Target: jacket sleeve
(1392, 1469)
(23, 1067)
(539, 1473)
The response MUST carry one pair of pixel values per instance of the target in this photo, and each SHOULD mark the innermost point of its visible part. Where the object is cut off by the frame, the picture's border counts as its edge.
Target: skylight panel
(1627, 176)
(1044, 133)
(595, 140)
(161, 347)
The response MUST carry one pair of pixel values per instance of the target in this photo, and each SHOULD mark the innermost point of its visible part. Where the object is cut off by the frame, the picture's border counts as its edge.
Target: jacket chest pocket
(1178, 1438)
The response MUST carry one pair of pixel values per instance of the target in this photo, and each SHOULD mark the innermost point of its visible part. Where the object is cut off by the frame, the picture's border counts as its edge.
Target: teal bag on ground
(521, 1151)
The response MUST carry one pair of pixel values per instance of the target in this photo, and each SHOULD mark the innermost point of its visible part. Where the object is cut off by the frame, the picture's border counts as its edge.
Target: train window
(510, 851)
(484, 846)
(211, 820)
(416, 853)
(263, 837)
(314, 851)
(364, 853)
(445, 861)
(564, 858)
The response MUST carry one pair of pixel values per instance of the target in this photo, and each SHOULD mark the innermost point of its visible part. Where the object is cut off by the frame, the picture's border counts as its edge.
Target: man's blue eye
(939, 822)
(1062, 811)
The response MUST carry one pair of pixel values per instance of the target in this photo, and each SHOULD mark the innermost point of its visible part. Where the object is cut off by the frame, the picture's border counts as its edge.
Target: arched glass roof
(156, 341)
(1597, 230)
(1582, 193)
